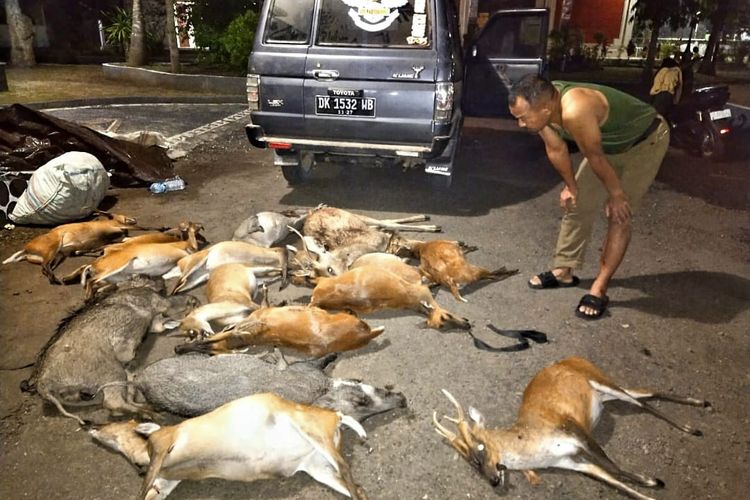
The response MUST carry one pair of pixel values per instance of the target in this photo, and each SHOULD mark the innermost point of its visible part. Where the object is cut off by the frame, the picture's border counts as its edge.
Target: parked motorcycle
(701, 122)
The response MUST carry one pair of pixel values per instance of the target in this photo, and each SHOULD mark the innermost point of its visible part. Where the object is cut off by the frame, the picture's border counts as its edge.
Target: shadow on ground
(495, 168)
(703, 296)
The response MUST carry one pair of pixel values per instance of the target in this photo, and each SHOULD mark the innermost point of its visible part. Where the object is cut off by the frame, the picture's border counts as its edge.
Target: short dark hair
(533, 88)
(669, 63)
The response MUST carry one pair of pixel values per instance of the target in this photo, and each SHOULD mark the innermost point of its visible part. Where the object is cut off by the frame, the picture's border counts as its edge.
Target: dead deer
(181, 232)
(267, 229)
(371, 288)
(149, 259)
(335, 228)
(561, 405)
(251, 438)
(444, 262)
(51, 248)
(195, 269)
(122, 437)
(309, 330)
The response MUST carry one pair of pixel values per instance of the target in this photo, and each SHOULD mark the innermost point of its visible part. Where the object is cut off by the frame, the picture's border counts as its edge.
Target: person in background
(623, 141)
(667, 87)
(630, 49)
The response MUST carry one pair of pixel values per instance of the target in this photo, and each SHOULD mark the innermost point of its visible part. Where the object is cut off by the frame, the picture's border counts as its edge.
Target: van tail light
(443, 102)
(253, 92)
(279, 145)
(724, 131)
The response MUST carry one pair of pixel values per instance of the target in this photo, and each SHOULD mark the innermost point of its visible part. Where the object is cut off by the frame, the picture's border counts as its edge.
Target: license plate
(718, 115)
(344, 106)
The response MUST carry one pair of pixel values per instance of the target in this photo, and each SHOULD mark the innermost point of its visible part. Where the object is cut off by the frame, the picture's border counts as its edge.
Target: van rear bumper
(257, 138)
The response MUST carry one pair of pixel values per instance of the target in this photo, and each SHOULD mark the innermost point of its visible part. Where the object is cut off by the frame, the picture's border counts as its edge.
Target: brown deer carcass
(309, 330)
(560, 407)
(195, 269)
(182, 232)
(370, 288)
(148, 259)
(230, 292)
(50, 249)
(444, 262)
(251, 438)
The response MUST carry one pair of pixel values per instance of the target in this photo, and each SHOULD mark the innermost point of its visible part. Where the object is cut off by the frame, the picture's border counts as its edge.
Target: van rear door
(278, 58)
(511, 44)
(370, 72)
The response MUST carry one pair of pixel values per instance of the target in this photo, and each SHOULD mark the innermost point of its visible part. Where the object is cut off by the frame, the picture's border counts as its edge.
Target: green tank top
(628, 118)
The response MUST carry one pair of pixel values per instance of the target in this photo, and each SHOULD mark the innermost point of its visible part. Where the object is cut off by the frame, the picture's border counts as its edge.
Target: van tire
(301, 173)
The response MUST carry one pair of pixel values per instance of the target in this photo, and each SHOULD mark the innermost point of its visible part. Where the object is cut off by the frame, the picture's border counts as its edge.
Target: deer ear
(476, 416)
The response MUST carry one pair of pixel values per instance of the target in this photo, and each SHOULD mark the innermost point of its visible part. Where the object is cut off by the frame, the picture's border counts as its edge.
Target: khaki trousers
(636, 168)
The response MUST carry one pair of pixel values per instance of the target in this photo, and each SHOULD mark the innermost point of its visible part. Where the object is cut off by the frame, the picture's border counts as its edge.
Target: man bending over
(623, 141)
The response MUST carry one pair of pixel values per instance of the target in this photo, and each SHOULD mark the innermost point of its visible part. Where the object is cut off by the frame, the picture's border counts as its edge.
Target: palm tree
(137, 51)
(21, 35)
(174, 51)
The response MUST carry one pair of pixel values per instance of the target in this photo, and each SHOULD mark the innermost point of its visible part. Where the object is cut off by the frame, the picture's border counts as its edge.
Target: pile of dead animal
(278, 417)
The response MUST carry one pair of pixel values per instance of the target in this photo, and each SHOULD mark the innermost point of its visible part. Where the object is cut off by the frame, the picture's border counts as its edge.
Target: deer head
(473, 442)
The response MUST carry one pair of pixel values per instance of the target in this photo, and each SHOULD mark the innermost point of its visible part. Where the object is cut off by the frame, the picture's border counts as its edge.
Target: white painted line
(208, 127)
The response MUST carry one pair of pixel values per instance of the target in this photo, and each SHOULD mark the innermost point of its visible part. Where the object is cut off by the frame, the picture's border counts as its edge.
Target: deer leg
(617, 393)
(675, 398)
(599, 473)
(422, 228)
(594, 454)
(454, 290)
(532, 477)
(161, 488)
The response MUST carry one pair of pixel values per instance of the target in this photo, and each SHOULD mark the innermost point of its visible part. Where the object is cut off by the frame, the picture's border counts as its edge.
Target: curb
(233, 85)
(105, 101)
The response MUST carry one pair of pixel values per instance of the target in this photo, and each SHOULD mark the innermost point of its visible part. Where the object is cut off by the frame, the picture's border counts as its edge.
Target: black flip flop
(598, 304)
(547, 279)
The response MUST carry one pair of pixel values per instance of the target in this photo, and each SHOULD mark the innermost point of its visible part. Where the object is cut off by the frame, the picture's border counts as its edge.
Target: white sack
(64, 189)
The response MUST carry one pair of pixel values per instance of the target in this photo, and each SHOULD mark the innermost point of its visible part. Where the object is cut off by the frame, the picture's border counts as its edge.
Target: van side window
(516, 36)
(289, 21)
(362, 23)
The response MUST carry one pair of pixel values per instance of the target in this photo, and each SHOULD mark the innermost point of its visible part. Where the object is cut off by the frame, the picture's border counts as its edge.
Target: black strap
(523, 336)
(650, 130)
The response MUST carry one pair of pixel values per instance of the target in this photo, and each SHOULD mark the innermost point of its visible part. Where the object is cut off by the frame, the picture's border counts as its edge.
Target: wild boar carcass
(195, 384)
(88, 353)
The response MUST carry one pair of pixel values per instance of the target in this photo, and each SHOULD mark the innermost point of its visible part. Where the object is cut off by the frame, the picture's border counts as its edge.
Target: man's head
(532, 101)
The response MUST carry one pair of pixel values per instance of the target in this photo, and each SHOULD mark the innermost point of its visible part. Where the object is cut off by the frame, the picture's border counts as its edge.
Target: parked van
(383, 80)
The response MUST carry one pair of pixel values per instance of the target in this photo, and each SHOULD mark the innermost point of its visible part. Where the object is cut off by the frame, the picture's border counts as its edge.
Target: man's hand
(568, 198)
(618, 208)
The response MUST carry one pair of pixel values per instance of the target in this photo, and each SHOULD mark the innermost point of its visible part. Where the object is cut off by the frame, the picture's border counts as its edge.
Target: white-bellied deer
(229, 292)
(251, 438)
(195, 268)
(561, 405)
(149, 259)
(310, 330)
(122, 437)
(268, 229)
(371, 288)
(51, 248)
(444, 262)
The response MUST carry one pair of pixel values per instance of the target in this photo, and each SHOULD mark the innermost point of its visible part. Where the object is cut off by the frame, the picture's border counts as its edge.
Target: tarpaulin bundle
(29, 139)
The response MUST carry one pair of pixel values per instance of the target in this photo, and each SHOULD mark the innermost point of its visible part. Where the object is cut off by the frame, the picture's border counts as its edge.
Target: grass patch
(52, 82)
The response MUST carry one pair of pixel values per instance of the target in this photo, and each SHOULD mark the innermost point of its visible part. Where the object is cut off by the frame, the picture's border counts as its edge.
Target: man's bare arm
(559, 156)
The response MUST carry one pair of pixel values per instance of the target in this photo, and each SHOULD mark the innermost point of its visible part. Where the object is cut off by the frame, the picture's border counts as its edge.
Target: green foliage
(237, 41)
(211, 18)
(118, 26)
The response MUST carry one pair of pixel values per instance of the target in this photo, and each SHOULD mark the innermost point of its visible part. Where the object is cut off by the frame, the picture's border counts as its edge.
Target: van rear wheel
(300, 173)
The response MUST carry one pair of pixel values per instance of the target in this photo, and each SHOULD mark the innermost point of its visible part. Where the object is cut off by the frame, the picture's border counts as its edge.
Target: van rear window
(373, 23)
(289, 21)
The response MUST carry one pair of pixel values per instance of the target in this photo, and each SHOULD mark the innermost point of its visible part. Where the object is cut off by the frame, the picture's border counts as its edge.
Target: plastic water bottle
(173, 184)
